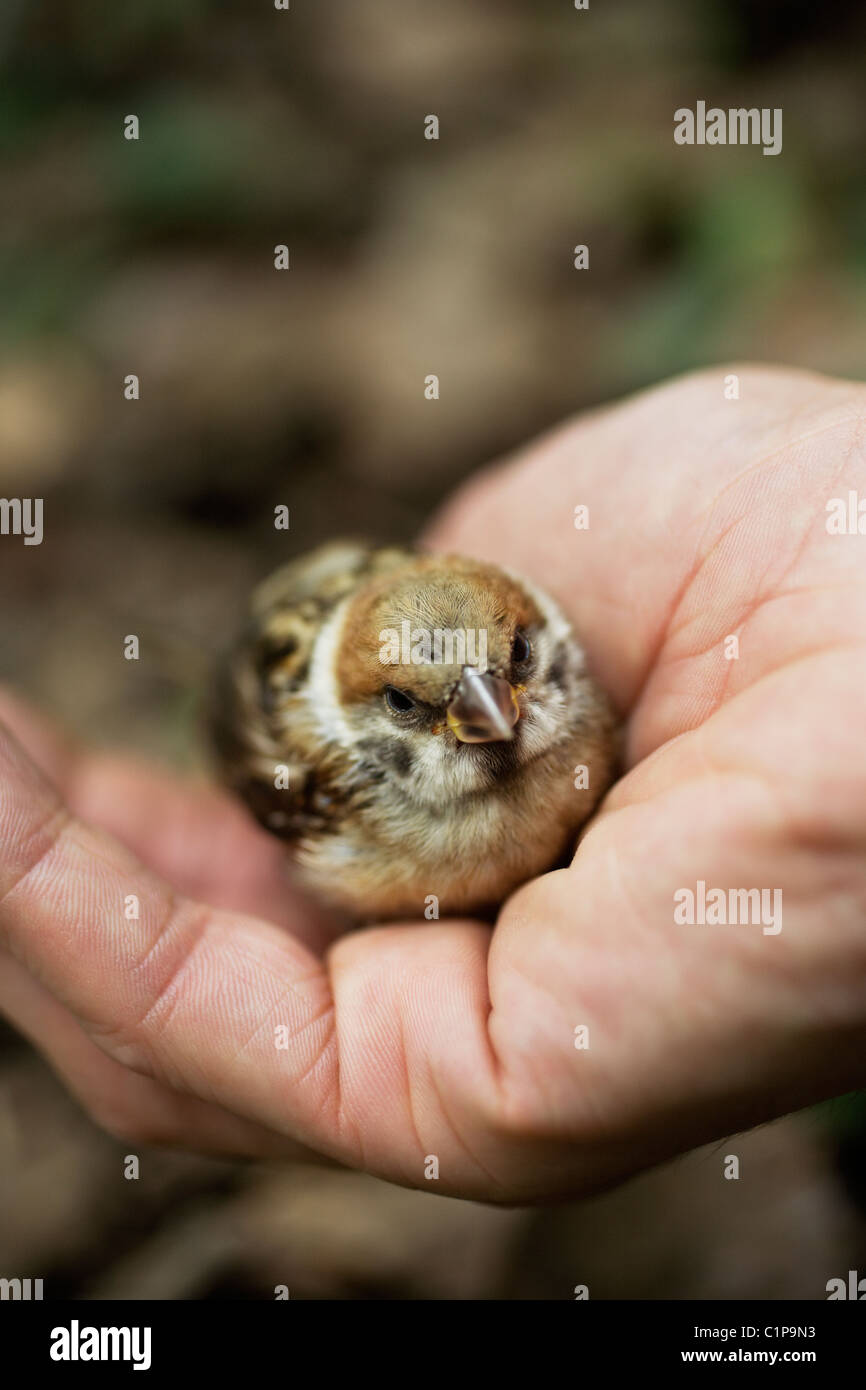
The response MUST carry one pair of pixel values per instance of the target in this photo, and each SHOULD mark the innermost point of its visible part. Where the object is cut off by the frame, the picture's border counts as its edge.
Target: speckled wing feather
(259, 717)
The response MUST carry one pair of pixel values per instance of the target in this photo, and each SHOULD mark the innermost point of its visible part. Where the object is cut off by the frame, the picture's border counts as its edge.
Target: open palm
(449, 1040)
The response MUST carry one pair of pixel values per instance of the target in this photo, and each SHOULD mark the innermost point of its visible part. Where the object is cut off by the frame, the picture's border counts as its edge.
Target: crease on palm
(683, 756)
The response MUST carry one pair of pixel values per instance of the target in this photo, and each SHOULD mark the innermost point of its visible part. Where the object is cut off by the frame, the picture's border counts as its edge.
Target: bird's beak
(484, 708)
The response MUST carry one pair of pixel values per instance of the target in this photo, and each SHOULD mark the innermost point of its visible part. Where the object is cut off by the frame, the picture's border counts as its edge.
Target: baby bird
(419, 728)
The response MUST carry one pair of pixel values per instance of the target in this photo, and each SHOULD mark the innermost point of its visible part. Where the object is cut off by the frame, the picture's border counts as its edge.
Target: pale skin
(707, 519)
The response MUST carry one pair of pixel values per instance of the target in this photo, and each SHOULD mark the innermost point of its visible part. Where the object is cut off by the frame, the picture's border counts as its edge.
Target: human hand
(707, 518)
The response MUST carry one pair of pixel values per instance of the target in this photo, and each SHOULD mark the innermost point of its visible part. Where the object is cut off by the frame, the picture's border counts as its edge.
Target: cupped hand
(225, 1020)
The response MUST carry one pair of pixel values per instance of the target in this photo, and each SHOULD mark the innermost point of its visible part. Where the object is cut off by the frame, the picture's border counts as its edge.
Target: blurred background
(408, 257)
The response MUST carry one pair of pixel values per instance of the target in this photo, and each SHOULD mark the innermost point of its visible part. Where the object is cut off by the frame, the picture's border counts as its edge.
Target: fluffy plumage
(459, 785)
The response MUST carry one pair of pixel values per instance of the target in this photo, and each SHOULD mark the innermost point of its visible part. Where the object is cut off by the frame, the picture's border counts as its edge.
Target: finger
(668, 480)
(389, 1066)
(134, 1108)
(697, 1021)
(55, 752)
(194, 835)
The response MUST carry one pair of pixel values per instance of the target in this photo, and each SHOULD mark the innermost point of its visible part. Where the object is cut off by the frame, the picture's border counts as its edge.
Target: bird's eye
(398, 700)
(521, 648)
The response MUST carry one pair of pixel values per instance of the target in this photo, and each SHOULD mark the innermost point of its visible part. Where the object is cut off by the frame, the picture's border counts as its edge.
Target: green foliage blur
(305, 388)
(408, 256)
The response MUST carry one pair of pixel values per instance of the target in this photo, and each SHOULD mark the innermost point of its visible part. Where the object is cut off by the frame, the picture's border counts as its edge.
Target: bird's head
(446, 676)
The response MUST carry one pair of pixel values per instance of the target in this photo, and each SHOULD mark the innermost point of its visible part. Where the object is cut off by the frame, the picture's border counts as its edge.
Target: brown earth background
(408, 257)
